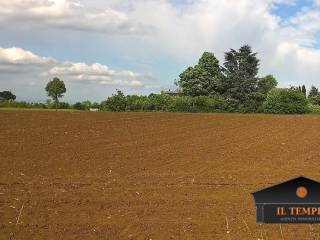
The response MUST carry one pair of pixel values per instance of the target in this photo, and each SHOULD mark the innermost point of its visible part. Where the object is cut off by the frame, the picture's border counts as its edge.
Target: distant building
(176, 92)
(2, 99)
(94, 109)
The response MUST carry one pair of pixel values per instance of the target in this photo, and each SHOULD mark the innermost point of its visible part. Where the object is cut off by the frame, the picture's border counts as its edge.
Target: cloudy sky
(141, 46)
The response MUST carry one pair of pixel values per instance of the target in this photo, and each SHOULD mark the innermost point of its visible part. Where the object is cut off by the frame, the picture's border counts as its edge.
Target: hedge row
(165, 103)
(14, 104)
(277, 101)
(85, 106)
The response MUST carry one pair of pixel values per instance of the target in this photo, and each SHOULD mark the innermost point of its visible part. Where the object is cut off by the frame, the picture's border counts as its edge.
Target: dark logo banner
(294, 201)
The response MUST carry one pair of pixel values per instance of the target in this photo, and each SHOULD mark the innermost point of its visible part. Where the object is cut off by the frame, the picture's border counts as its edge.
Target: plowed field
(73, 175)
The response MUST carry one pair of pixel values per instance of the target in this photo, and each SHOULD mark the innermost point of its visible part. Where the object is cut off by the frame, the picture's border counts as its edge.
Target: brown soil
(72, 175)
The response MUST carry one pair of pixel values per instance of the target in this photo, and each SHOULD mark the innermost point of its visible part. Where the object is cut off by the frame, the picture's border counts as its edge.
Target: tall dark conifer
(240, 68)
(304, 90)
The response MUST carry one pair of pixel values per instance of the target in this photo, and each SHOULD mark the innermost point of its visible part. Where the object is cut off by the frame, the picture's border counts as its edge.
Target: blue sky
(286, 11)
(142, 46)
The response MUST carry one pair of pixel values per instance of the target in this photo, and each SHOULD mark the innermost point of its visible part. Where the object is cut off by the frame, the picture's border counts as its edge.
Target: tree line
(231, 87)
(207, 86)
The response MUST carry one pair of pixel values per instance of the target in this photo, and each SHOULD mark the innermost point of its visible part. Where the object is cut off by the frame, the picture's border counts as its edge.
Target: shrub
(253, 103)
(14, 104)
(315, 100)
(163, 102)
(60, 105)
(117, 103)
(214, 103)
(136, 103)
(86, 105)
(7, 95)
(182, 104)
(79, 106)
(96, 105)
(313, 109)
(64, 105)
(202, 104)
(285, 101)
(231, 105)
(159, 102)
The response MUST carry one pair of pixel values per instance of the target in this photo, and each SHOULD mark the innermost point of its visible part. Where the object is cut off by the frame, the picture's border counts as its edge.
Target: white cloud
(285, 49)
(15, 60)
(66, 14)
(19, 56)
(180, 33)
(98, 73)
(308, 19)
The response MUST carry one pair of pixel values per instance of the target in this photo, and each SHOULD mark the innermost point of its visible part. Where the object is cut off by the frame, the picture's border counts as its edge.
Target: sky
(141, 46)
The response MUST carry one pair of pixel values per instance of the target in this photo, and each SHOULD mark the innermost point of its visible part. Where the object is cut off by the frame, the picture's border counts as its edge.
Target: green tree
(182, 104)
(266, 83)
(96, 105)
(240, 69)
(202, 79)
(304, 91)
(55, 89)
(314, 96)
(252, 103)
(137, 103)
(117, 102)
(314, 100)
(87, 105)
(159, 102)
(313, 92)
(64, 105)
(301, 89)
(294, 88)
(79, 106)
(285, 101)
(7, 95)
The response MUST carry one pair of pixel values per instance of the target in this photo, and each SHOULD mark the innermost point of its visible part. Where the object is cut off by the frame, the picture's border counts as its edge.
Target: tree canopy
(240, 70)
(285, 101)
(314, 96)
(55, 89)
(236, 80)
(7, 95)
(313, 92)
(266, 83)
(202, 79)
(205, 87)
